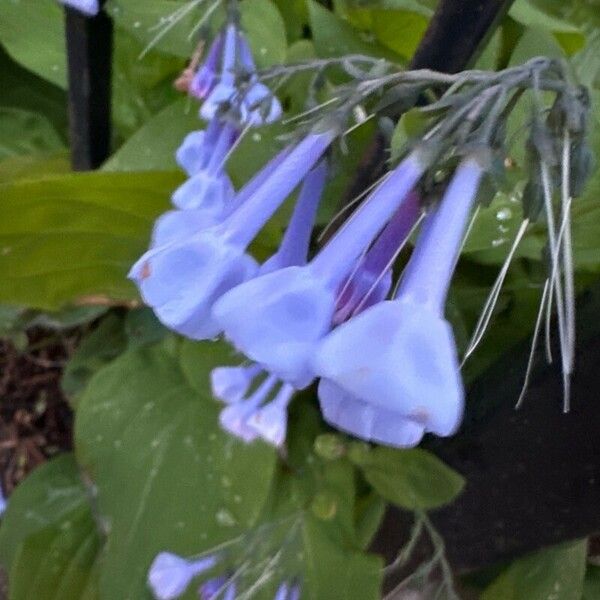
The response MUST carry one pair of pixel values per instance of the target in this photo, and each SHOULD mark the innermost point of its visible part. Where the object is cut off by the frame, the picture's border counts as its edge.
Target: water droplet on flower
(504, 214)
(225, 518)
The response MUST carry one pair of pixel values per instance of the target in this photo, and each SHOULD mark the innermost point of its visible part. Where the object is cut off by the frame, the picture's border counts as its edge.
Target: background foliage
(151, 470)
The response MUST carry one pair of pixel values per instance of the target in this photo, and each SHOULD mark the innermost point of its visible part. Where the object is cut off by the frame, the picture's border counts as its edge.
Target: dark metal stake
(89, 54)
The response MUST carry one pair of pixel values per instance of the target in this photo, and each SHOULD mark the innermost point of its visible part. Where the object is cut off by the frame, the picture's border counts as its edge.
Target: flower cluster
(386, 361)
(388, 368)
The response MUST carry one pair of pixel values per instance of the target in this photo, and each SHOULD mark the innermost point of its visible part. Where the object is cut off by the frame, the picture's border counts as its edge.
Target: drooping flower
(170, 575)
(87, 7)
(391, 373)
(182, 279)
(261, 414)
(209, 188)
(207, 76)
(255, 103)
(217, 587)
(276, 319)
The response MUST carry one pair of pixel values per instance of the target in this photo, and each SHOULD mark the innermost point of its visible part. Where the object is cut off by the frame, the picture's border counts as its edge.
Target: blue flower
(254, 102)
(287, 591)
(212, 588)
(257, 416)
(276, 319)
(88, 7)
(170, 575)
(182, 280)
(209, 187)
(391, 373)
(197, 148)
(207, 76)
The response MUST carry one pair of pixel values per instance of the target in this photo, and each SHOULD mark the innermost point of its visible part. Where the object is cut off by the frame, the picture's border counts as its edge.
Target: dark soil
(35, 417)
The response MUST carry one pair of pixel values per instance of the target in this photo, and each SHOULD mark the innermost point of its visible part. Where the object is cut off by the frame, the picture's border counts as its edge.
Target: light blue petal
(231, 384)
(207, 191)
(401, 357)
(179, 225)
(170, 575)
(182, 281)
(276, 319)
(365, 421)
(88, 7)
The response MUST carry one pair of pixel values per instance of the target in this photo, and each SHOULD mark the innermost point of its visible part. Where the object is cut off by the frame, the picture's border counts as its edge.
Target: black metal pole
(89, 55)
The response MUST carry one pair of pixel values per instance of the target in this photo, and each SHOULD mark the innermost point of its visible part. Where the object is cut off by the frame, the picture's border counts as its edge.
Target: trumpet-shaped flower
(170, 575)
(209, 188)
(391, 373)
(261, 418)
(217, 587)
(87, 7)
(207, 76)
(182, 280)
(255, 102)
(276, 319)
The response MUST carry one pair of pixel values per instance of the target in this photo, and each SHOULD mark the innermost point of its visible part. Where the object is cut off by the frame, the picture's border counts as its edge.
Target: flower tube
(277, 319)
(170, 575)
(182, 280)
(391, 373)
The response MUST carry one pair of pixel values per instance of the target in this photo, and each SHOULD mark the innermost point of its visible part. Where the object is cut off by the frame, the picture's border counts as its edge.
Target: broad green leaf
(412, 479)
(335, 573)
(399, 28)
(167, 477)
(96, 350)
(591, 584)
(48, 511)
(163, 25)
(24, 90)
(169, 26)
(76, 235)
(531, 15)
(153, 146)
(334, 37)
(25, 132)
(34, 166)
(555, 573)
(263, 24)
(32, 31)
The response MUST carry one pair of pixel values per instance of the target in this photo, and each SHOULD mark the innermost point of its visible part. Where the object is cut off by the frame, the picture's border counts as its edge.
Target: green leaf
(263, 24)
(397, 25)
(153, 146)
(148, 22)
(33, 33)
(334, 37)
(335, 573)
(25, 132)
(412, 479)
(97, 349)
(48, 538)
(591, 584)
(555, 573)
(76, 235)
(167, 477)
